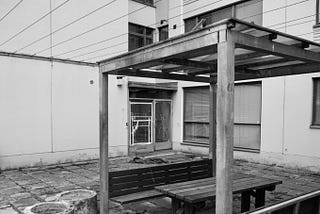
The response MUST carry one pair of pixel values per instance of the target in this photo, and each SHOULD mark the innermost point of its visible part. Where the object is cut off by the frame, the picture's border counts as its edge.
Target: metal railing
(305, 204)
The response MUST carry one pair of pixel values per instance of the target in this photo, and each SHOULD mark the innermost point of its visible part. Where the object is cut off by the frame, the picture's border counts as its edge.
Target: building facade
(54, 115)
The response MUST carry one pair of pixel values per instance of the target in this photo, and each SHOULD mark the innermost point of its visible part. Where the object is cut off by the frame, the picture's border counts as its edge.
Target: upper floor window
(250, 11)
(163, 32)
(147, 2)
(139, 36)
(316, 102)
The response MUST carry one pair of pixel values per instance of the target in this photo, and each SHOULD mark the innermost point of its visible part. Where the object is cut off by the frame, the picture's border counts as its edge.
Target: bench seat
(138, 196)
(127, 186)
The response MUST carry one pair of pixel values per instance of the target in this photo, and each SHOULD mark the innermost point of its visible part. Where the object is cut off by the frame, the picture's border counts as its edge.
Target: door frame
(147, 147)
(154, 125)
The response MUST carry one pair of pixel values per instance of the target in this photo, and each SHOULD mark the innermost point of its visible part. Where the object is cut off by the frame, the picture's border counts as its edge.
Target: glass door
(162, 124)
(141, 123)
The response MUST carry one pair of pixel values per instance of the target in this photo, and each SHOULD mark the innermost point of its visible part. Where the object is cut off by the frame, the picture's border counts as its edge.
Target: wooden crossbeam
(175, 69)
(190, 63)
(278, 49)
(260, 62)
(249, 55)
(287, 70)
(162, 75)
(238, 58)
(191, 45)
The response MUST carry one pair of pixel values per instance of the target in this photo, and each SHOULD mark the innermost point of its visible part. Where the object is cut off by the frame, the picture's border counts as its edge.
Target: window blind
(196, 114)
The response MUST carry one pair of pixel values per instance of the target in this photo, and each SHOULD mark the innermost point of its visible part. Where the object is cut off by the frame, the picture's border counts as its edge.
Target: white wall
(142, 14)
(202, 6)
(74, 107)
(48, 113)
(162, 11)
(75, 25)
(299, 138)
(290, 16)
(176, 18)
(118, 117)
(25, 109)
(272, 114)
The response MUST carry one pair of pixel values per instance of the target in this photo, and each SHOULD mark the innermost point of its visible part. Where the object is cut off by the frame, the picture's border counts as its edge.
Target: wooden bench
(191, 193)
(304, 204)
(127, 186)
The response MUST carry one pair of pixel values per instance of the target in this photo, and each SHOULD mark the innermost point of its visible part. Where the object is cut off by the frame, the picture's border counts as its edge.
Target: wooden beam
(247, 74)
(104, 161)
(245, 56)
(191, 45)
(287, 70)
(162, 75)
(259, 62)
(238, 58)
(289, 52)
(174, 69)
(225, 123)
(212, 129)
(190, 63)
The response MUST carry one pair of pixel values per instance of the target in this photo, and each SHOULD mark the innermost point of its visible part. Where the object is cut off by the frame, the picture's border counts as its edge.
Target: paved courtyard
(24, 187)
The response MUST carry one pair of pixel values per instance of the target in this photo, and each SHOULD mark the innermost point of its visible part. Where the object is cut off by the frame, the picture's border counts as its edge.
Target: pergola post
(225, 120)
(104, 162)
(212, 128)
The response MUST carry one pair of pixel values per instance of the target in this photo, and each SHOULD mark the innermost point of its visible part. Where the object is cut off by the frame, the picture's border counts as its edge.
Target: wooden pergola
(218, 54)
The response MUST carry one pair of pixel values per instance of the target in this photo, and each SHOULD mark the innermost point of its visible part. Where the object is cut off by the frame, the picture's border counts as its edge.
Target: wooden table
(186, 195)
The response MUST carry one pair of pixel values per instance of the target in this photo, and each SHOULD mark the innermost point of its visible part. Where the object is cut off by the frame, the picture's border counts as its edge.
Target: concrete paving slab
(31, 185)
(8, 210)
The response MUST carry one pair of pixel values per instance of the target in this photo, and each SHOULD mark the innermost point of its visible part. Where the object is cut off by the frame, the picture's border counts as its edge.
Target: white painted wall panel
(118, 117)
(42, 124)
(75, 107)
(22, 17)
(100, 35)
(299, 137)
(201, 6)
(272, 115)
(274, 14)
(24, 106)
(142, 14)
(176, 11)
(91, 30)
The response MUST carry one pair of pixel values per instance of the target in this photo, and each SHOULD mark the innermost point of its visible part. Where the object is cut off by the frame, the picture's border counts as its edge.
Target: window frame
(315, 81)
(232, 6)
(159, 31)
(183, 119)
(206, 144)
(143, 35)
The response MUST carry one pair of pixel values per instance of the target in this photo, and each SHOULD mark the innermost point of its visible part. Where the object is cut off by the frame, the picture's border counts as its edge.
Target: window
(139, 36)
(196, 115)
(247, 114)
(163, 32)
(316, 102)
(250, 11)
(147, 2)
